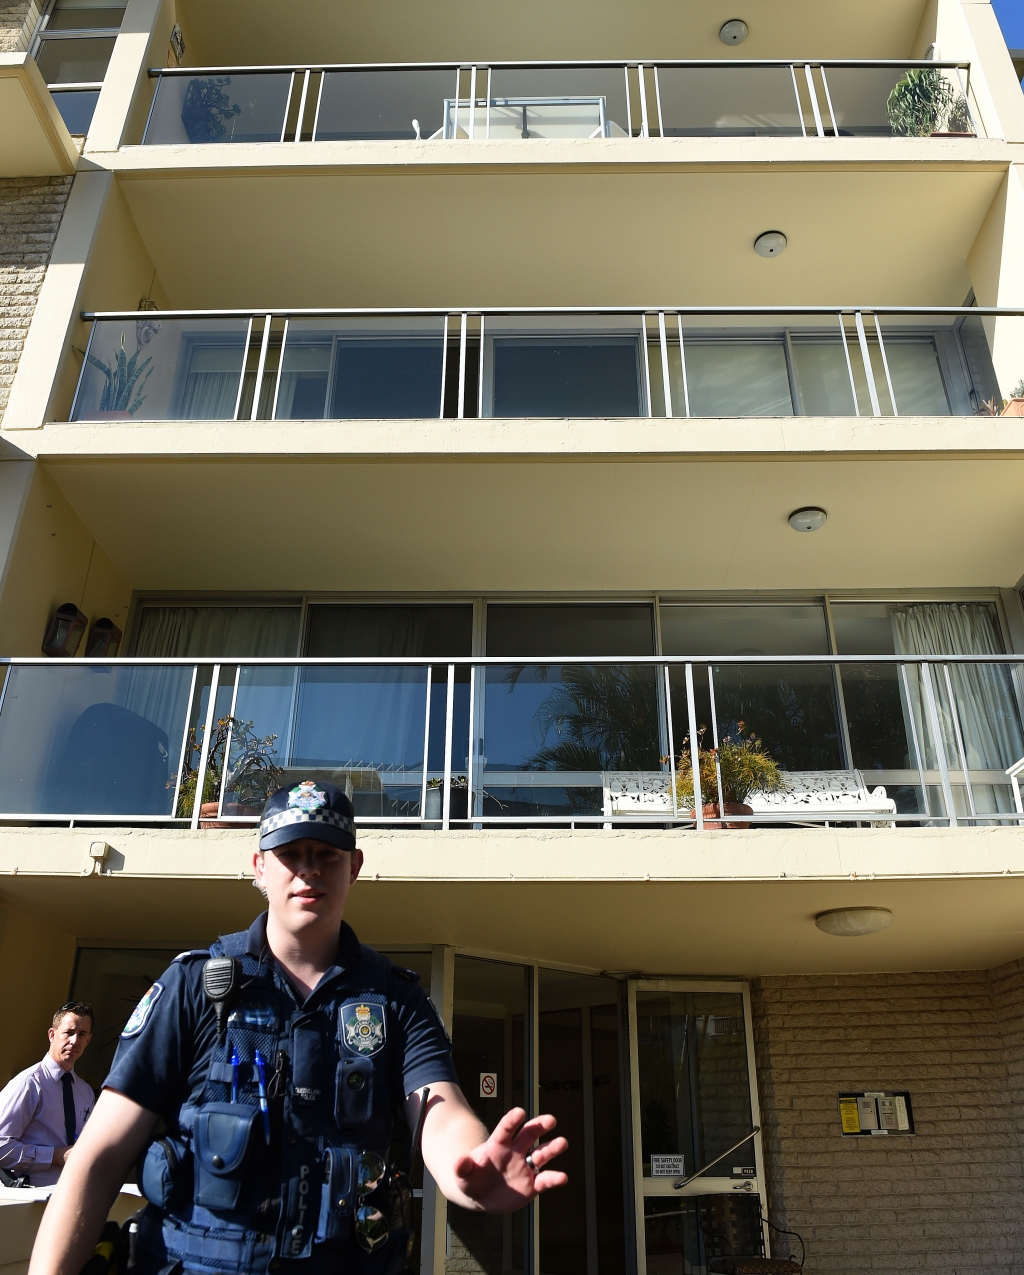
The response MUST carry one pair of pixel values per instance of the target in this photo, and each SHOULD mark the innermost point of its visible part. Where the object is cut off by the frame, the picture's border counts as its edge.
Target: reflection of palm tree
(606, 717)
(798, 722)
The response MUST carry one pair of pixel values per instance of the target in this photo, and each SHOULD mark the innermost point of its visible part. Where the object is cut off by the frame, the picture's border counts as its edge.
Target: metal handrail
(328, 311)
(696, 63)
(498, 661)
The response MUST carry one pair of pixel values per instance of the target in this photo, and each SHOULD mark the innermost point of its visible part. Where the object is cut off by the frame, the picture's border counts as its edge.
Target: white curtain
(218, 632)
(983, 693)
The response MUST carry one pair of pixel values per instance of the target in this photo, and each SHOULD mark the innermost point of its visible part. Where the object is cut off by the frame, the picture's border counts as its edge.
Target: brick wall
(18, 19)
(946, 1201)
(30, 213)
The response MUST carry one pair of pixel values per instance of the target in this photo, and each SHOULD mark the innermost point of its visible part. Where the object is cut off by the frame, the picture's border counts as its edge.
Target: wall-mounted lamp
(733, 32)
(770, 244)
(848, 923)
(104, 639)
(64, 631)
(809, 519)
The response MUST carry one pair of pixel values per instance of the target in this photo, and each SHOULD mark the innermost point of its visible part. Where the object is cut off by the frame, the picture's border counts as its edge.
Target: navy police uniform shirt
(166, 1048)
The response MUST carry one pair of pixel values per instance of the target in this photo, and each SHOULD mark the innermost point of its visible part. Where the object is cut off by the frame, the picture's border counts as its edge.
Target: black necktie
(68, 1081)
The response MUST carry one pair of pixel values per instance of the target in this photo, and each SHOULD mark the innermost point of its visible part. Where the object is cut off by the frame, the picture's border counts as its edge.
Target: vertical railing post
(204, 751)
(691, 712)
(426, 743)
(472, 103)
(885, 365)
(260, 368)
(645, 127)
(935, 727)
(869, 371)
(915, 743)
(665, 377)
(671, 741)
(462, 366)
(682, 367)
(446, 799)
(184, 740)
(302, 107)
(714, 739)
(849, 364)
(954, 714)
(814, 99)
(799, 104)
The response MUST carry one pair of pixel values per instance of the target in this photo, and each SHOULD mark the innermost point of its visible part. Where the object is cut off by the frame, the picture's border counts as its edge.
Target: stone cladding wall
(947, 1201)
(30, 213)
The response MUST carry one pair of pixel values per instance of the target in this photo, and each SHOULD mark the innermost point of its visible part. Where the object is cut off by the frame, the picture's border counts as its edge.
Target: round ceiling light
(848, 923)
(770, 244)
(734, 31)
(807, 519)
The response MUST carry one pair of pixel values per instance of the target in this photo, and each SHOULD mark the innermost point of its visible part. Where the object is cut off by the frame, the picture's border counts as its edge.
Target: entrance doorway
(694, 1098)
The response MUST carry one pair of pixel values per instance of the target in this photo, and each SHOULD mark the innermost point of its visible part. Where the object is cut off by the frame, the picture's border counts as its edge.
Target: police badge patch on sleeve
(141, 1012)
(363, 1027)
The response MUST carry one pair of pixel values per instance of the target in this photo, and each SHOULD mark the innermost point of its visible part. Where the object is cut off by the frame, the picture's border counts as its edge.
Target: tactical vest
(228, 1198)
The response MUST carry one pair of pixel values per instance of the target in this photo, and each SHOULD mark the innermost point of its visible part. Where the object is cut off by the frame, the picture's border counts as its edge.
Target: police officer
(277, 1060)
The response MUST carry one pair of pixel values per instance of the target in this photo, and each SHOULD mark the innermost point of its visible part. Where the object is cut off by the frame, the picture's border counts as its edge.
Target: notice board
(876, 1113)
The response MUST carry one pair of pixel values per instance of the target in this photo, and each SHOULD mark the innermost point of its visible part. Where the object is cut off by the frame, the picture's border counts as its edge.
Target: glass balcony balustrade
(448, 101)
(882, 740)
(754, 362)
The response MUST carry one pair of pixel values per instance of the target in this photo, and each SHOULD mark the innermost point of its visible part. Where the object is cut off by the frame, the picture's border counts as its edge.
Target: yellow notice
(848, 1115)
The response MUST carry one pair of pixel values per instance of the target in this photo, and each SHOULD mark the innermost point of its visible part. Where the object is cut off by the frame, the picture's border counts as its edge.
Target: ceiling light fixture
(809, 519)
(733, 32)
(848, 923)
(770, 244)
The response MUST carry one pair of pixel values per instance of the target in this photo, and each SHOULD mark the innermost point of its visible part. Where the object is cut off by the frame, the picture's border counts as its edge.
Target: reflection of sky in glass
(331, 716)
(510, 739)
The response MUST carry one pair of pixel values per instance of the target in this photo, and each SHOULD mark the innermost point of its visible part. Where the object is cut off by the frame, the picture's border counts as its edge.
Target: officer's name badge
(142, 1011)
(363, 1026)
(307, 796)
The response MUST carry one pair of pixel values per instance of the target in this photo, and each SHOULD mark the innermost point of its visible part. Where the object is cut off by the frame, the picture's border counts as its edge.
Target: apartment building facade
(507, 414)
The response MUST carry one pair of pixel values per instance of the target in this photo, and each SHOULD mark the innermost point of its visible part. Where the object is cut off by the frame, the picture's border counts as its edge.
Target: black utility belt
(325, 1195)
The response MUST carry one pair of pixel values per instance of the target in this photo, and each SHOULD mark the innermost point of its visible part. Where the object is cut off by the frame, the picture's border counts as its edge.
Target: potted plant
(745, 767)
(1014, 406)
(252, 775)
(120, 398)
(924, 103)
(459, 805)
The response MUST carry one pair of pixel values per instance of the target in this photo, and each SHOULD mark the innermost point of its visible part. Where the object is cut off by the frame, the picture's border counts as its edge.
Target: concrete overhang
(34, 140)
(731, 903)
(562, 235)
(617, 521)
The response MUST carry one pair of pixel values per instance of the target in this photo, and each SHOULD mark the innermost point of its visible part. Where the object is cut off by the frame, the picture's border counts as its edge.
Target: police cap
(308, 809)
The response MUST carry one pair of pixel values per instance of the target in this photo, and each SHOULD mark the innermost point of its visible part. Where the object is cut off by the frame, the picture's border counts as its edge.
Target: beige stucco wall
(945, 1201)
(43, 956)
(55, 559)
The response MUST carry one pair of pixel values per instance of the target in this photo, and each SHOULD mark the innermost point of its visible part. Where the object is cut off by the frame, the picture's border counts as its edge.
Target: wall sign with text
(872, 1113)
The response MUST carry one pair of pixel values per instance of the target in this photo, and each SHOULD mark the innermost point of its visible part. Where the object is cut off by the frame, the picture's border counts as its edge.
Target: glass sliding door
(694, 1098)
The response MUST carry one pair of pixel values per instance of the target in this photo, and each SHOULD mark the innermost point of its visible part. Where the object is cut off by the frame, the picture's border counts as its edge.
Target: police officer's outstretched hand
(497, 1176)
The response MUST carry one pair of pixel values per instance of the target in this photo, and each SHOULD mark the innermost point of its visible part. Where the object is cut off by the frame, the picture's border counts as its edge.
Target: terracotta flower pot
(208, 814)
(1014, 407)
(712, 815)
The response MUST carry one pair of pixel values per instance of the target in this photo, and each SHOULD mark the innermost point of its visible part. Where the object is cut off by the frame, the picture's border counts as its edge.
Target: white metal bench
(814, 795)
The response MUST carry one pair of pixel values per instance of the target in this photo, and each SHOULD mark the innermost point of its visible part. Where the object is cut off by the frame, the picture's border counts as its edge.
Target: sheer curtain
(218, 632)
(984, 697)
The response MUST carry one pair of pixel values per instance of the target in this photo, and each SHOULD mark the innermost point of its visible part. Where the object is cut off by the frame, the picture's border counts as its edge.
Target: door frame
(705, 1185)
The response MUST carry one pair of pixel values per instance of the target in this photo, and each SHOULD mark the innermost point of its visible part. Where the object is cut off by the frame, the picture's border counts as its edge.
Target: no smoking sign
(488, 1084)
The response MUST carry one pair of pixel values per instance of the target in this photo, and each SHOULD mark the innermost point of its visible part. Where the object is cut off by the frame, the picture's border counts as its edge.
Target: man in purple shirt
(43, 1109)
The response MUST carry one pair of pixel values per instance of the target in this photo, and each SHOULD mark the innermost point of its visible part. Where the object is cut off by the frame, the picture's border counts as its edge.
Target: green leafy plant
(1018, 389)
(990, 407)
(746, 769)
(924, 101)
(121, 391)
(458, 781)
(252, 774)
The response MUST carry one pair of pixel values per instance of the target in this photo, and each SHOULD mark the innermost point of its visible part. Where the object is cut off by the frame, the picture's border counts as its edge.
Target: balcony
(379, 365)
(534, 100)
(883, 741)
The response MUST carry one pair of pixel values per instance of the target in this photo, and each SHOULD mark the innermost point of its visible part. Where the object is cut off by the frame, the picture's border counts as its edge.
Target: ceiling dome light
(848, 923)
(734, 31)
(809, 519)
(770, 244)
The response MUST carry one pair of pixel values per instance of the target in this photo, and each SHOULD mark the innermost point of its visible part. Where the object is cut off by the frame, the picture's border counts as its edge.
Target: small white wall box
(876, 1113)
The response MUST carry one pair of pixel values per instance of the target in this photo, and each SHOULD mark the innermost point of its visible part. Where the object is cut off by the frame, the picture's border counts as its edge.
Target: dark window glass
(75, 61)
(743, 630)
(573, 629)
(436, 632)
(67, 17)
(76, 109)
(567, 376)
(387, 379)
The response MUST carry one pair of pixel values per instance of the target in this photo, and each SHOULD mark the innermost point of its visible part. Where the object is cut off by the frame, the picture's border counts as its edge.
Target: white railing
(921, 740)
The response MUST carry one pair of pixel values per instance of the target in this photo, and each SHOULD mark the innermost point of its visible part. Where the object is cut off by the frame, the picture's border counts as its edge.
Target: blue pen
(262, 1076)
(235, 1061)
